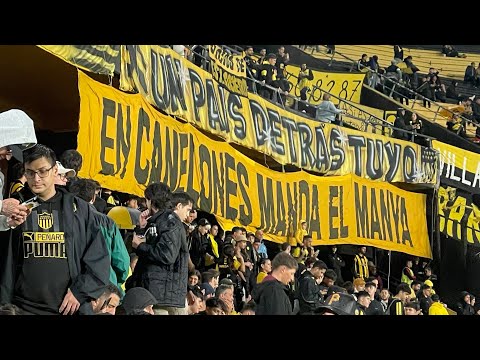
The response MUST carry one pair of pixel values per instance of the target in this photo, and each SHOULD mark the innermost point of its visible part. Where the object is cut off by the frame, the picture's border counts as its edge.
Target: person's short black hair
(38, 151)
(415, 282)
(413, 304)
(71, 159)
(84, 189)
(236, 228)
(370, 284)
(310, 261)
(197, 274)
(308, 236)
(207, 276)
(331, 274)
(160, 196)
(362, 294)
(181, 197)
(435, 297)
(319, 264)
(404, 287)
(18, 170)
(262, 261)
(198, 293)
(284, 246)
(112, 289)
(249, 306)
(348, 285)
(142, 202)
(213, 303)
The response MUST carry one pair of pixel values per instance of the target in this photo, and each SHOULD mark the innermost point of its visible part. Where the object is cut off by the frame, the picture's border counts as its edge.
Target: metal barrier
(368, 120)
(397, 84)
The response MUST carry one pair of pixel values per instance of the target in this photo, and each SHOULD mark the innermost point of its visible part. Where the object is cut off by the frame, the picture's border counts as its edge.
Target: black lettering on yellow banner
(154, 147)
(458, 167)
(181, 89)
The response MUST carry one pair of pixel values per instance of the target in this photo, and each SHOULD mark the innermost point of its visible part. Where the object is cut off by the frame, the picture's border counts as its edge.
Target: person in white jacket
(17, 133)
(327, 111)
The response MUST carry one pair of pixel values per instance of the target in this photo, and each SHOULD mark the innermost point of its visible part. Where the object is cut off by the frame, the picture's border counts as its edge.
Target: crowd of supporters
(76, 248)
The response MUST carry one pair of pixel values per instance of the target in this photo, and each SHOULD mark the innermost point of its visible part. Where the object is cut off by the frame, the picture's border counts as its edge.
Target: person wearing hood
(400, 124)
(139, 301)
(464, 307)
(17, 133)
(272, 297)
(299, 234)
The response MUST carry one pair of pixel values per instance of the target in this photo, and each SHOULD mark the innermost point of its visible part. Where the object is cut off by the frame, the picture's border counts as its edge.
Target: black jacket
(462, 308)
(309, 295)
(199, 246)
(375, 308)
(400, 123)
(162, 266)
(425, 303)
(335, 262)
(87, 254)
(272, 298)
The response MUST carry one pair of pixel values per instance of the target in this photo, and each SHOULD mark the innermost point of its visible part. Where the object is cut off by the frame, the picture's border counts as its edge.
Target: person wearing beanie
(138, 301)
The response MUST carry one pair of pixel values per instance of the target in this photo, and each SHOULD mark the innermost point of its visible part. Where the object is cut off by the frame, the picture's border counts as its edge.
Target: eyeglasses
(30, 174)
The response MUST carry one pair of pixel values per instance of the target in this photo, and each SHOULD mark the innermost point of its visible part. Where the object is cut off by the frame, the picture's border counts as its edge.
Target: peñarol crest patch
(45, 220)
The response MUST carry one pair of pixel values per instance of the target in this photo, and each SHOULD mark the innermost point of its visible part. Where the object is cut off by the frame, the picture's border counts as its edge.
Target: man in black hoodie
(57, 260)
(400, 124)
(271, 296)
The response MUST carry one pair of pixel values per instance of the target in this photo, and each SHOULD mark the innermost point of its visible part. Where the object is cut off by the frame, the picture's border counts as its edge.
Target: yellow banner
(347, 86)
(179, 88)
(458, 167)
(126, 144)
(101, 59)
(363, 119)
(228, 70)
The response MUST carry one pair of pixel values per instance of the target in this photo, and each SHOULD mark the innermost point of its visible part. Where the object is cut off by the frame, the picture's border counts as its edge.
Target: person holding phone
(62, 260)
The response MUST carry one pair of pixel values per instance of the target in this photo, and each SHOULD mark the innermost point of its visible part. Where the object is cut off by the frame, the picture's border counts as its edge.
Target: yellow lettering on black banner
(459, 218)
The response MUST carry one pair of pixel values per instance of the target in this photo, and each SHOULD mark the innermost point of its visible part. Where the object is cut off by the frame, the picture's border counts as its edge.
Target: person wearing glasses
(64, 175)
(58, 259)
